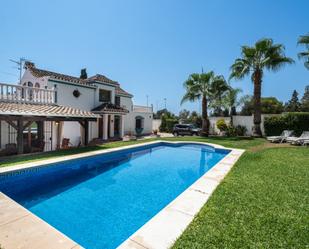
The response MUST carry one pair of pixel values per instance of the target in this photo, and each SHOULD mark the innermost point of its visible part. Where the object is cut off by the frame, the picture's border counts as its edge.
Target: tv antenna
(19, 66)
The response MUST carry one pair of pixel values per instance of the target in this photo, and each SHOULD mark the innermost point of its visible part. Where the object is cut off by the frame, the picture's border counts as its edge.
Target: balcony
(25, 94)
(142, 109)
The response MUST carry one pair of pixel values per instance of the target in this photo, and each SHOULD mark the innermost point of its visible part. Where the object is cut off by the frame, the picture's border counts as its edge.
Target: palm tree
(231, 101)
(304, 40)
(200, 86)
(219, 90)
(254, 60)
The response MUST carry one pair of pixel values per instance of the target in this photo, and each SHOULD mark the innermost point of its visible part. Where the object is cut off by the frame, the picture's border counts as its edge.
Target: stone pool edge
(174, 218)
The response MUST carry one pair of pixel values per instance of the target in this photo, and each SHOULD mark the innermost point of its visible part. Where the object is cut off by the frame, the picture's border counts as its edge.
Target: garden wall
(246, 121)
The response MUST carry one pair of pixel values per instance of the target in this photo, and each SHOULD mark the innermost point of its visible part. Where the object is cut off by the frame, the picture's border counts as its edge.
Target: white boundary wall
(246, 121)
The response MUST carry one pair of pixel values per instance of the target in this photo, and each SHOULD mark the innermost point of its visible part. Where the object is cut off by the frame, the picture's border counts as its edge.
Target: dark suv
(185, 129)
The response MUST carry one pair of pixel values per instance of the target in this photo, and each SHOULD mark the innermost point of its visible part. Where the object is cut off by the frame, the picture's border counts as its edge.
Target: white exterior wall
(246, 121)
(27, 76)
(129, 119)
(213, 129)
(4, 134)
(103, 87)
(156, 123)
(85, 101)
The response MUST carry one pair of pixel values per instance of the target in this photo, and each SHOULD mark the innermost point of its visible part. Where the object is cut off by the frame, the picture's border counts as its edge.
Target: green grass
(10, 161)
(228, 142)
(262, 203)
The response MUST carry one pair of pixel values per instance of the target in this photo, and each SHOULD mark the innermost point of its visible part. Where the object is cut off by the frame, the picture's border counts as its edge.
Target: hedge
(296, 121)
(167, 124)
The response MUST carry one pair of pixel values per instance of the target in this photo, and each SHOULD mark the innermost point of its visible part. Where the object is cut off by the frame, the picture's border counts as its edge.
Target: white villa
(49, 109)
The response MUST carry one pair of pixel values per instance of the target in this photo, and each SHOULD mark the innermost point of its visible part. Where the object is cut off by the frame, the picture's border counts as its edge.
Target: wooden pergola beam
(27, 124)
(10, 122)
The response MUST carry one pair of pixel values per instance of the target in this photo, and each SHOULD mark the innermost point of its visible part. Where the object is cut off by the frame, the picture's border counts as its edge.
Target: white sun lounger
(282, 138)
(299, 140)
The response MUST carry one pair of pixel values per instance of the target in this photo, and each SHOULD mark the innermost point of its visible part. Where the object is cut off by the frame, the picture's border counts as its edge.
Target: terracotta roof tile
(120, 91)
(25, 109)
(102, 78)
(98, 78)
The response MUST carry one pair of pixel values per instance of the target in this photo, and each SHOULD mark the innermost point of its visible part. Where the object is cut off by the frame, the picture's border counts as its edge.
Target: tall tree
(232, 102)
(184, 115)
(254, 60)
(304, 40)
(269, 105)
(293, 105)
(305, 100)
(219, 90)
(200, 86)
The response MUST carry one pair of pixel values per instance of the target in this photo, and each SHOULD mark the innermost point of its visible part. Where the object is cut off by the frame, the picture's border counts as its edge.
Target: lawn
(262, 203)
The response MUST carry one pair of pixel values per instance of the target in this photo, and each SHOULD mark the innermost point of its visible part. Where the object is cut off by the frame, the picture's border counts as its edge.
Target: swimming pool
(100, 201)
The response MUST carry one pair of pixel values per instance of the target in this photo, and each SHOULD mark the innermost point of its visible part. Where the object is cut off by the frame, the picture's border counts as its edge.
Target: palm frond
(240, 69)
(303, 40)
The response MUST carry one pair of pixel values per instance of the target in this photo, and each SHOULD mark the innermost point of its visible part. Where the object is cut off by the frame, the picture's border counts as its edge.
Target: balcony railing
(25, 94)
(138, 108)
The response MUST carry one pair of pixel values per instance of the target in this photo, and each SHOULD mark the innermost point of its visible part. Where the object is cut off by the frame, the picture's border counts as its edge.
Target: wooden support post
(20, 139)
(86, 131)
(40, 125)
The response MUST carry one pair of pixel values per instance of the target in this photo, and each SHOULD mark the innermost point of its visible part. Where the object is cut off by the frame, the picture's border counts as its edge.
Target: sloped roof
(26, 109)
(120, 91)
(102, 78)
(42, 73)
(88, 82)
(109, 108)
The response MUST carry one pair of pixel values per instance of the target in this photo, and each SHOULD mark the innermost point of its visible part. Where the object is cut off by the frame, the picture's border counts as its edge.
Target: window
(37, 85)
(104, 96)
(29, 84)
(117, 101)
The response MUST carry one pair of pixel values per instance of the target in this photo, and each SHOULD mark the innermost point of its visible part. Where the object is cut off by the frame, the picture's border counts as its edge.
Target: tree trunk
(257, 78)
(205, 122)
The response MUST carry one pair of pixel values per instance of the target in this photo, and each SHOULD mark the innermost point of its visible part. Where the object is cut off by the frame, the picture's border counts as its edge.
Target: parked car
(185, 129)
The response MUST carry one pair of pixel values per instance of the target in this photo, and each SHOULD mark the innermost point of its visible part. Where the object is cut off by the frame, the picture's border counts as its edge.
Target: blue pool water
(100, 201)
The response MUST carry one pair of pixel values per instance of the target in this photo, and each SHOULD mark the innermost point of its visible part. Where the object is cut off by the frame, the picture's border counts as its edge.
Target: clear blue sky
(151, 47)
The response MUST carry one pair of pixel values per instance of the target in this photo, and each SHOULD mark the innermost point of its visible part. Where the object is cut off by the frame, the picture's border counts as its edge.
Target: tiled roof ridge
(98, 77)
(42, 72)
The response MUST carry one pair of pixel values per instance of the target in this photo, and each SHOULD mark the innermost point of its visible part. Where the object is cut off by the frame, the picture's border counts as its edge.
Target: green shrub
(221, 125)
(167, 124)
(233, 131)
(170, 124)
(296, 121)
(240, 130)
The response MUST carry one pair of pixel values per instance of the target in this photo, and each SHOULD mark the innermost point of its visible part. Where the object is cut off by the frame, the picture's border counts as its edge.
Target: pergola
(21, 115)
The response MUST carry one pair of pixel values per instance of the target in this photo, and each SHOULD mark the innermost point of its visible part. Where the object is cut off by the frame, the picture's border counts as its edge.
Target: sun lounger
(282, 138)
(299, 140)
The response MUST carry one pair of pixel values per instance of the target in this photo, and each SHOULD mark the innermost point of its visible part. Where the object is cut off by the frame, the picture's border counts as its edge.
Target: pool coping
(159, 232)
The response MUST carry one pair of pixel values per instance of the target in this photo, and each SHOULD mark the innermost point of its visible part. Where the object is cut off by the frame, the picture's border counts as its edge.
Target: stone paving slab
(20, 229)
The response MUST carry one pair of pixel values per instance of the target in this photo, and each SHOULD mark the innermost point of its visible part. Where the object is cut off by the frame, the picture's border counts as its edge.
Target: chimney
(83, 74)
(29, 64)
